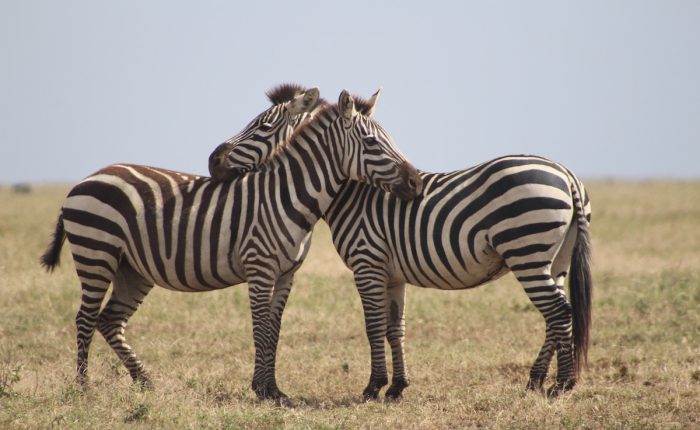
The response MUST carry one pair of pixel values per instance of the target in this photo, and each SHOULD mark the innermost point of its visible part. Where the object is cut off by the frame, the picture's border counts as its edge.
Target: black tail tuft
(581, 288)
(52, 257)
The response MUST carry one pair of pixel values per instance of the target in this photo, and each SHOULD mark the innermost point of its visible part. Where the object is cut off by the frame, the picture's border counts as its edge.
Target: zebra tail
(52, 256)
(581, 286)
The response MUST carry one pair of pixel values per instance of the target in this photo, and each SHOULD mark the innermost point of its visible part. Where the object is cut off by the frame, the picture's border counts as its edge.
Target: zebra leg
(260, 295)
(566, 373)
(129, 290)
(566, 367)
(93, 292)
(279, 300)
(538, 372)
(550, 300)
(372, 288)
(395, 335)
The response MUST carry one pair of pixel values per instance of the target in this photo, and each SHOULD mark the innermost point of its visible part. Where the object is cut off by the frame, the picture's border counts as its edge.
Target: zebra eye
(266, 126)
(371, 139)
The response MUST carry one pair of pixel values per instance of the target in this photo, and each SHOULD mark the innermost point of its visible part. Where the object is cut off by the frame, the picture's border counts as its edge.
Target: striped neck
(306, 168)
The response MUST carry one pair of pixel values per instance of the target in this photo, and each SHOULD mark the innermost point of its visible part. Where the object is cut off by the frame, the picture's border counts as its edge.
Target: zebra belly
(454, 275)
(188, 276)
(203, 274)
(484, 274)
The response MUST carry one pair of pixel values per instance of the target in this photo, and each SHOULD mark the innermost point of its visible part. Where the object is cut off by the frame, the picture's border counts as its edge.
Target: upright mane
(362, 104)
(284, 93)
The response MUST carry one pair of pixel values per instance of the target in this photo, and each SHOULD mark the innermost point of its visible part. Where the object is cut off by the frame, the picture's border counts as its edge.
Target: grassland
(468, 352)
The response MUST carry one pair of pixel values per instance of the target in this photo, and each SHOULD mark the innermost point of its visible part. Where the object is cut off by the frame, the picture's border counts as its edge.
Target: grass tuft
(139, 413)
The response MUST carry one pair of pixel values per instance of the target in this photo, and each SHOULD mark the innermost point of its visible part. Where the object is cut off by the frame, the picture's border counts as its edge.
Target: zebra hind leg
(549, 298)
(129, 291)
(395, 336)
(538, 372)
(566, 365)
(94, 289)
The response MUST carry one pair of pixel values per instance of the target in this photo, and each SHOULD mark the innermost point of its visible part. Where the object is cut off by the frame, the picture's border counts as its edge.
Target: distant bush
(22, 188)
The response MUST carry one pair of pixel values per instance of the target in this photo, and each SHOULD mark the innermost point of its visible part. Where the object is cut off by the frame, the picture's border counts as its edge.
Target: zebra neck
(307, 171)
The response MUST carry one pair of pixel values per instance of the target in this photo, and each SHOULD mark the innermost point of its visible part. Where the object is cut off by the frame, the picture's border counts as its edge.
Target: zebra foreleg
(260, 296)
(395, 335)
(129, 291)
(279, 300)
(372, 289)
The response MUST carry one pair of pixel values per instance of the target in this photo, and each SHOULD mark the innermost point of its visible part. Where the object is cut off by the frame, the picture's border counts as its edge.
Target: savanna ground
(468, 352)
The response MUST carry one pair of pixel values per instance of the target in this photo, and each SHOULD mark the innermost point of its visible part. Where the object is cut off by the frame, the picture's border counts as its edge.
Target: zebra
(292, 105)
(138, 226)
(522, 214)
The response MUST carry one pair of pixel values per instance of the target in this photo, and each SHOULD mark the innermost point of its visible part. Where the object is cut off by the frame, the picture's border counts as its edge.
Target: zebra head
(369, 154)
(291, 106)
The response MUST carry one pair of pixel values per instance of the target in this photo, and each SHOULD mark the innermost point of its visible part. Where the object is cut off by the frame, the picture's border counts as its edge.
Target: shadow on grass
(314, 403)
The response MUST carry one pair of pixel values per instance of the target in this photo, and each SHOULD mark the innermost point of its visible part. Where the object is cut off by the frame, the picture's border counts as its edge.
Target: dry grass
(468, 352)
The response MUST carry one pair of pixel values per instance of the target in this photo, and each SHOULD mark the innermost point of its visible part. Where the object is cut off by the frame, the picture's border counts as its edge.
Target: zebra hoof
(375, 384)
(370, 393)
(144, 382)
(271, 392)
(81, 382)
(395, 391)
(284, 402)
(393, 394)
(560, 387)
(536, 383)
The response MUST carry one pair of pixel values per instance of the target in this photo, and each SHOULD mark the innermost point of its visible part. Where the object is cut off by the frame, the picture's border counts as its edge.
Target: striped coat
(138, 226)
(524, 214)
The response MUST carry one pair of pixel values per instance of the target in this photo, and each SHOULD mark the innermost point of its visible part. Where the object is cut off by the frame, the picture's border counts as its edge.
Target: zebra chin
(410, 184)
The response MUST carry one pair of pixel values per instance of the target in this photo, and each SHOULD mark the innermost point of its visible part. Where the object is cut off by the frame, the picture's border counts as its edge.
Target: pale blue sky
(609, 88)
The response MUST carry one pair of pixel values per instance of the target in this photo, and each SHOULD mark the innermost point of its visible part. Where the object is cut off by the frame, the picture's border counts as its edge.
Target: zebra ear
(372, 102)
(346, 105)
(304, 102)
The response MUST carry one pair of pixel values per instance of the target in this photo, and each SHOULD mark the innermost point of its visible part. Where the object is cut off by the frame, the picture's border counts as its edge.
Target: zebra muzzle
(411, 183)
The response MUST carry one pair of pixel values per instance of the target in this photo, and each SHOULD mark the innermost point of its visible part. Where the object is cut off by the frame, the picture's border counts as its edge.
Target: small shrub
(9, 375)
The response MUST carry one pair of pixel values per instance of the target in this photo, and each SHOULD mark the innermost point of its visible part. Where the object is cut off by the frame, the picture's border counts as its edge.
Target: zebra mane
(362, 104)
(321, 110)
(284, 92)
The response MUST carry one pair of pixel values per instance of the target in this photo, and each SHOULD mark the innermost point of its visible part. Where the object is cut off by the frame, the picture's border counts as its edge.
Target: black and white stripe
(136, 226)
(292, 105)
(524, 214)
